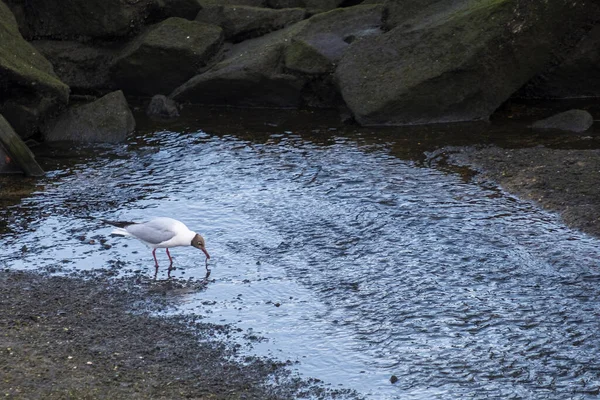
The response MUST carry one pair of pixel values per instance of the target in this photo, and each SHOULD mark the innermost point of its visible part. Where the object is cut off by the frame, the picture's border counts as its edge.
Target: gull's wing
(152, 232)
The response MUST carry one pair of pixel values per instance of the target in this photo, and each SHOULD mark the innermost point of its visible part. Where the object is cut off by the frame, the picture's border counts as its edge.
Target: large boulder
(459, 66)
(577, 75)
(321, 42)
(287, 68)
(251, 75)
(84, 19)
(15, 153)
(65, 19)
(107, 119)
(30, 89)
(163, 9)
(572, 120)
(84, 67)
(312, 6)
(251, 3)
(244, 22)
(165, 56)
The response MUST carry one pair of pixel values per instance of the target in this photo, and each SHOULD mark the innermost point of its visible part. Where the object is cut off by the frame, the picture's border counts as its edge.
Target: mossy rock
(251, 75)
(244, 22)
(459, 65)
(107, 119)
(165, 56)
(30, 86)
(17, 151)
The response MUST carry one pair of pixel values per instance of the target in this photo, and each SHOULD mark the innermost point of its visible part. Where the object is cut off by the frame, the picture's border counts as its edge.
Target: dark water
(344, 251)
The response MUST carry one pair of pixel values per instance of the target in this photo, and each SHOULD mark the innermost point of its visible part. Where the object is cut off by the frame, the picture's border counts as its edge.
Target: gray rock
(165, 56)
(162, 107)
(312, 6)
(243, 22)
(576, 76)
(67, 19)
(163, 9)
(251, 75)
(250, 3)
(323, 39)
(84, 67)
(456, 66)
(107, 119)
(15, 152)
(572, 120)
(30, 88)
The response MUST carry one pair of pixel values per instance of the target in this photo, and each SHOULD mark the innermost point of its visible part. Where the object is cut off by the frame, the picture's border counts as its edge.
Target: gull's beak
(205, 252)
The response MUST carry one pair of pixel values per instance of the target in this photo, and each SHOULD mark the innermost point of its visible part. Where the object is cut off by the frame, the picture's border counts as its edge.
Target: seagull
(160, 232)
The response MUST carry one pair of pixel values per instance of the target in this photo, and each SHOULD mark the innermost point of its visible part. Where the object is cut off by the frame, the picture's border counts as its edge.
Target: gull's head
(198, 242)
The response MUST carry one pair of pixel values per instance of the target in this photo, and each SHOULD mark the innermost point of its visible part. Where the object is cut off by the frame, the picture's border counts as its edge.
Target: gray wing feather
(151, 233)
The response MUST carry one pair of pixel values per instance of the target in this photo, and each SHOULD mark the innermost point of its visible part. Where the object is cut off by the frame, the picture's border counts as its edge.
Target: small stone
(393, 379)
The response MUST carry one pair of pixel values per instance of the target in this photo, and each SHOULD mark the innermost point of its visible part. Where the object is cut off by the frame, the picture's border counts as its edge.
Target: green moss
(21, 62)
(302, 57)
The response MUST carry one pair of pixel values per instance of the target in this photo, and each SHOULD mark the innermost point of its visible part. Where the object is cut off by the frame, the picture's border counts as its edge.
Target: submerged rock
(165, 56)
(107, 119)
(244, 22)
(572, 120)
(458, 65)
(162, 107)
(15, 152)
(30, 89)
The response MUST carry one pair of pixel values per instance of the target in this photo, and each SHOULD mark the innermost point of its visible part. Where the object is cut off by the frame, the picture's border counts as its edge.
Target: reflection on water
(345, 252)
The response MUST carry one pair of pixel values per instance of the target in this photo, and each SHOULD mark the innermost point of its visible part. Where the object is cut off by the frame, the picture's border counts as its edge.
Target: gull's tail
(120, 227)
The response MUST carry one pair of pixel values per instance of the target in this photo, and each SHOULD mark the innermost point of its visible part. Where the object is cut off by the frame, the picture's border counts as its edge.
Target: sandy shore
(96, 338)
(566, 181)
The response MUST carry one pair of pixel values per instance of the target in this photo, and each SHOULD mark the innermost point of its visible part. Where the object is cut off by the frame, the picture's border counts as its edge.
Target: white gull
(161, 233)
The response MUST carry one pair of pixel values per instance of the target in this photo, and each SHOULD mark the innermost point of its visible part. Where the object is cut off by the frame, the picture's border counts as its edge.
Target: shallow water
(341, 250)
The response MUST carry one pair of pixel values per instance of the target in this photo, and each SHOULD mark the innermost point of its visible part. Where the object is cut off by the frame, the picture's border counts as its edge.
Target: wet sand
(566, 181)
(93, 337)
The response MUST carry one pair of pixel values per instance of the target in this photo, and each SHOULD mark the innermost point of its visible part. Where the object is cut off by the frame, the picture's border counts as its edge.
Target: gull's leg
(155, 263)
(171, 264)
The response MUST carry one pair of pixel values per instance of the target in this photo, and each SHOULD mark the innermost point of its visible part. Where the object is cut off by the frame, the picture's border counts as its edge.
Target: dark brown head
(198, 242)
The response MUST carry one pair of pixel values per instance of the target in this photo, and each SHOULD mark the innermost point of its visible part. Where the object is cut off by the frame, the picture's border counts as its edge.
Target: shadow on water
(340, 246)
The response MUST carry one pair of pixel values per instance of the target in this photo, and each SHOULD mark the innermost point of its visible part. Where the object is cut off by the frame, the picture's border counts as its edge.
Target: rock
(30, 89)
(572, 120)
(321, 42)
(577, 75)
(243, 22)
(413, 13)
(312, 6)
(107, 119)
(250, 3)
(162, 107)
(458, 66)
(251, 75)
(84, 67)
(166, 56)
(15, 151)
(163, 9)
(69, 19)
